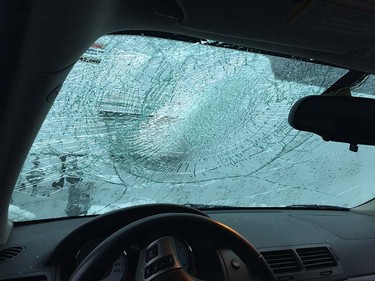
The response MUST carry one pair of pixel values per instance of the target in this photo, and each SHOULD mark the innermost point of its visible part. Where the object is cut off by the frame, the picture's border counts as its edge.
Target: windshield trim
(205, 41)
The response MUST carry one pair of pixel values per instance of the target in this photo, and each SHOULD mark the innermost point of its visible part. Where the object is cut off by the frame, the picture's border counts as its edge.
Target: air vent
(314, 258)
(10, 253)
(283, 261)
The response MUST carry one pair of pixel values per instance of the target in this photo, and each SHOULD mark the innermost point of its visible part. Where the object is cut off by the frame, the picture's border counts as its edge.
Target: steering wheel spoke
(159, 260)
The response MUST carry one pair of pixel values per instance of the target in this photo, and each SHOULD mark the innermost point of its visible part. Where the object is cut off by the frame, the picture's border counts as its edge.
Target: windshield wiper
(212, 207)
(297, 206)
(318, 207)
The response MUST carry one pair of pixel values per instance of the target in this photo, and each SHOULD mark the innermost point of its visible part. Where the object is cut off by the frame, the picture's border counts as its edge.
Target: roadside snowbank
(100, 209)
(18, 214)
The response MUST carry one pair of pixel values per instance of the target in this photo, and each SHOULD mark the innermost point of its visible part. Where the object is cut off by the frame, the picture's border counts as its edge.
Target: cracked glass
(148, 120)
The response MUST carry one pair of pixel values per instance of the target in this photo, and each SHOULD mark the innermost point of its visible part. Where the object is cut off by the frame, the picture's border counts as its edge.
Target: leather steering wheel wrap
(214, 234)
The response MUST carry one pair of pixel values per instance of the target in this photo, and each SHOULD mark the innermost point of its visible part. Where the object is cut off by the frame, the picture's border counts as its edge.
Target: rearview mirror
(336, 118)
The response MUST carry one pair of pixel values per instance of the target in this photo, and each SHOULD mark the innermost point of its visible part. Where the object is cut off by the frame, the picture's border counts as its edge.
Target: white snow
(18, 214)
(99, 209)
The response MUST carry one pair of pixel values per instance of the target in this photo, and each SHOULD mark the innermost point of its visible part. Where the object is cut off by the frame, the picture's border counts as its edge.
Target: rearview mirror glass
(336, 118)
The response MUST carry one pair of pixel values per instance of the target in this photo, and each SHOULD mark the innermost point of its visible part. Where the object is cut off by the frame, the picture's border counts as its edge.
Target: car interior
(159, 214)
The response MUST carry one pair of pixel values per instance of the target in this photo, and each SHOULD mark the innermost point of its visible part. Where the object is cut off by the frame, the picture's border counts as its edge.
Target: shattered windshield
(145, 120)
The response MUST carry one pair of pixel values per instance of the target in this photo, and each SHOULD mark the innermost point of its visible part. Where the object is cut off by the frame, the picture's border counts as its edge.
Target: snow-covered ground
(144, 120)
(18, 214)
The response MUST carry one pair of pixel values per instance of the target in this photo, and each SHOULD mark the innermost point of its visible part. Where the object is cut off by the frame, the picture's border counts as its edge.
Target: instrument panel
(116, 272)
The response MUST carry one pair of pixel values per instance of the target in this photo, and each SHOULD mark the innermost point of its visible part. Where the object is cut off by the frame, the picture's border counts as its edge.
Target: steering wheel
(214, 236)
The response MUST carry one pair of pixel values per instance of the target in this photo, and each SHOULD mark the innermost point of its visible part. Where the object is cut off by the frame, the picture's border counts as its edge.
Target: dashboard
(297, 245)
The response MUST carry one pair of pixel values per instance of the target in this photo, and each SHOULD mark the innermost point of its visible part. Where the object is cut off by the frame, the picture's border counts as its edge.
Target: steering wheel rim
(101, 258)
